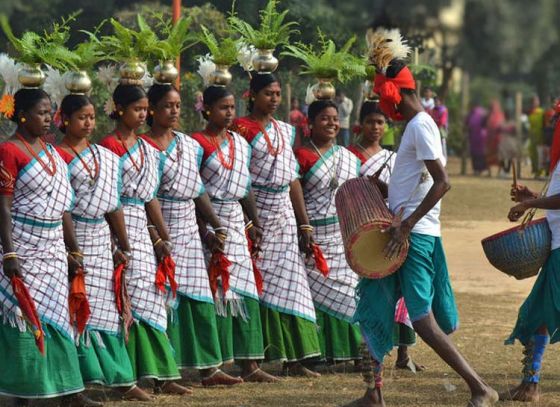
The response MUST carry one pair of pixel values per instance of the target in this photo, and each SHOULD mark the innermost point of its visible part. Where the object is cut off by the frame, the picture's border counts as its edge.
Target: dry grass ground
(488, 303)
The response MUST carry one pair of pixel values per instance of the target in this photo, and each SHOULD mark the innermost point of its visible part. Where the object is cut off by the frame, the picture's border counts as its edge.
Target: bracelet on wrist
(76, 254)
(158, 241)
(9, 256)
(306, 227)
(152, 227)
(249, 225)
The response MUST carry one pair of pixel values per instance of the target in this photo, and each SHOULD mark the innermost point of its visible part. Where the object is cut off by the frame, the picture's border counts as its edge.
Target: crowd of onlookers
(495, 142)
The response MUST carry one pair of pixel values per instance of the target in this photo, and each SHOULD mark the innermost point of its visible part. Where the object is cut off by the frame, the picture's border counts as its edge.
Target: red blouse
(12, 161)
(306, 159)
(111, 142)
(358, 153)
(247, 128)
(66, 156)
(207, 146)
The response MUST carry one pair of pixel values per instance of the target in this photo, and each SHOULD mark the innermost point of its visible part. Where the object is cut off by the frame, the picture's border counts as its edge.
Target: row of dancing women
(198, 250)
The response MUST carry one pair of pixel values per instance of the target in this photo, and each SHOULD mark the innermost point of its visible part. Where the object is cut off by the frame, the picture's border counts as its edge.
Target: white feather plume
(205, 68)
(310, 93)
(386, 45)
(108, 76)
(54, 85)
(147, 80)
(9, 74)
(245, 56)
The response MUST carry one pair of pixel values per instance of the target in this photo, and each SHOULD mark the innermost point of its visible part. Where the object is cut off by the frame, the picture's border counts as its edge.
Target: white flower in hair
(108, 75)
(310, 94)
(109, 106)
(147, 80)
(245, 56)
(9, 74)
(205, 68)
(54, 85)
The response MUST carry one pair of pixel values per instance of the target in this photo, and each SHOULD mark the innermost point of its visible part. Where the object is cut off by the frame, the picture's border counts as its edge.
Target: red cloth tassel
(166, 272)
(256, 272)
(27, 306)
(122, 299)
(320, 261)
(78, 302)
(219, 267)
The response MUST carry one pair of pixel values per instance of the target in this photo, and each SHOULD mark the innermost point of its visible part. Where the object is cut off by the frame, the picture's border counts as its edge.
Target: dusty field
(488, 302)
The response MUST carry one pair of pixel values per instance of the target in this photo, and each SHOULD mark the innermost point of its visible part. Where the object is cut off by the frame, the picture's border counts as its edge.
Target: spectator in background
(428, 102)
(440, 115)
(550, 119)
(476, 123)
(299, 121)
(345, 106)
(494, 123)
(508, 149)
(537, 147)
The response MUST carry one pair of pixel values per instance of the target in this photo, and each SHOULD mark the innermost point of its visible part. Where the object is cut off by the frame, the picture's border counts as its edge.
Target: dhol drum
(520, 251)
(363, 214)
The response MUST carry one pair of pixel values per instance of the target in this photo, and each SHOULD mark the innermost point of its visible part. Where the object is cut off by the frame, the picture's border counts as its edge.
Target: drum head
(365, 252)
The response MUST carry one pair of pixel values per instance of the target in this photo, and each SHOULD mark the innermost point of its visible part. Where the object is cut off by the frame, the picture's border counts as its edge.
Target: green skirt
(25, 373)
(339, 340)
(403, 335)
(288, 338)
(193, 332)
(239, 339)
(150, 353)
(104, 360)
(542, 306)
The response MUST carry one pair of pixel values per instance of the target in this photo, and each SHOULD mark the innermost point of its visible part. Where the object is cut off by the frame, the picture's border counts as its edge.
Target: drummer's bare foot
(170, 387)
(297, 369)
(372, 398)
(527, 392)
(486, 398)
(134, 393)
(215, 377)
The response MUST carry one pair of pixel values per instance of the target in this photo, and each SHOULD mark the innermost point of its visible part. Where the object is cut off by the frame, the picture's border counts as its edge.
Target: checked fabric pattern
(375, 162)
(335, 293)
(39, 202)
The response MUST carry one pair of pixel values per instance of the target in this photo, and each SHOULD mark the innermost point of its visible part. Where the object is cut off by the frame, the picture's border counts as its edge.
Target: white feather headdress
(245, 57)
(205, 68)
(385, 45)
(9, 74)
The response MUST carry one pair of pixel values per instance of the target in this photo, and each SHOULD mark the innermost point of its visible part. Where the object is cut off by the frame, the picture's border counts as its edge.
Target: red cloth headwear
(389, 91)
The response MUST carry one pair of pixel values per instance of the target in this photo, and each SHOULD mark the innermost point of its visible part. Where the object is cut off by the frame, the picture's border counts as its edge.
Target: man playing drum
(417, 184)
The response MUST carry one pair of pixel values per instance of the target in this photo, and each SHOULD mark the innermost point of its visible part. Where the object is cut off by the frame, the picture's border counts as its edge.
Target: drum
(520, 251)
(363, 214)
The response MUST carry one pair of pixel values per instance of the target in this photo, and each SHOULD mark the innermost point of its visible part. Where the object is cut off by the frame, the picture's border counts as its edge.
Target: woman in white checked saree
(287, 310)
(374, 160)
(324, 167)
(148, 346)
(225, 173)
(192, 326)
(35, 195)
(95, 177)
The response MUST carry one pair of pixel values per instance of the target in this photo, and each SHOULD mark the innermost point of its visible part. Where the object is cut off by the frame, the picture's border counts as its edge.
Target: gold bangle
(160, 240)
(10, 256)
(77, 254)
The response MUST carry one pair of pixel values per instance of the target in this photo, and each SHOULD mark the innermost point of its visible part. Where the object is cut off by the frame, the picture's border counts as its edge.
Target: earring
(151, 112)
(66, 122)
(23, 120)
(121, 112)
(208, 113)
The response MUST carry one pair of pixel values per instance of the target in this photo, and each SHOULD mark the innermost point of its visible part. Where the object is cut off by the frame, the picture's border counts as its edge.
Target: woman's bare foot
(297, 369)
(372, 398)
(487, 398)
(217, 377)
(134, 393)
(409, 364)
(259, 376)
(527, 392)
(79, 400)
(170, 387)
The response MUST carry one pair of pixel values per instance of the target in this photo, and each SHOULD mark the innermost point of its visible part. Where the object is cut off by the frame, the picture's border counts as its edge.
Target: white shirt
(410, 180)
(553, 216)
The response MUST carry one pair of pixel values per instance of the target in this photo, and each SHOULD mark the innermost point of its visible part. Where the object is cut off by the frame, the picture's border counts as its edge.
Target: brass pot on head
(165, 72)
(221, 76)
(131, 73)
(77, 82)
(325, 89)
(264, 61)
(31, 76)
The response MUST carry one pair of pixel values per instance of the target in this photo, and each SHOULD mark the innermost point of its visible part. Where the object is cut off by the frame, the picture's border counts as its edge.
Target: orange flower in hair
(8, 106)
